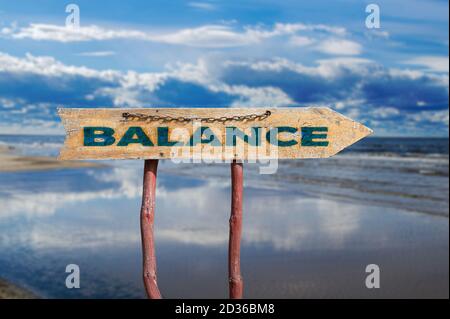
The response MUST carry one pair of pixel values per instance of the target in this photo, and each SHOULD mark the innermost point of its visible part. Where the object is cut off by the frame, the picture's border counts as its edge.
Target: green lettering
(233, 132)
(198, 135)
(163, 137)
(93, 138)
(308, 134)
(272, 136)
(141, 137)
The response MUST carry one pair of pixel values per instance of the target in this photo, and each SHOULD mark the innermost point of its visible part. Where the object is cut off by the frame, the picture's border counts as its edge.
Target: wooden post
(234, 244)
(147, 218)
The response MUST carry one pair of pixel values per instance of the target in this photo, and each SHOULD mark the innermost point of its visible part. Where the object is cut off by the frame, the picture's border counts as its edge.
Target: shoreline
(12, 291)
(12, 162)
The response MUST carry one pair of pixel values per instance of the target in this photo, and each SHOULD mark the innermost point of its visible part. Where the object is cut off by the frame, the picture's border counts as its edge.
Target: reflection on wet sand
(294, 246)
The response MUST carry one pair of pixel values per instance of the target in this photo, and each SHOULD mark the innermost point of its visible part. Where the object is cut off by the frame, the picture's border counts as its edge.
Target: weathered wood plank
(286, 133)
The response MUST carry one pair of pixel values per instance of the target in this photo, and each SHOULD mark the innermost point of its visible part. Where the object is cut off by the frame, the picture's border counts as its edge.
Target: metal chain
(165, 118)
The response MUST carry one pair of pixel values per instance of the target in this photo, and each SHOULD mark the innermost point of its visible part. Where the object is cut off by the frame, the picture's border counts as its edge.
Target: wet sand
(309, 230)
(10, 291)
(293, 245)
(13, 162)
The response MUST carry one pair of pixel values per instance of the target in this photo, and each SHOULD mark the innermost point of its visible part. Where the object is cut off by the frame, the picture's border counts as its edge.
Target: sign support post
(147, 221)
(234, 244)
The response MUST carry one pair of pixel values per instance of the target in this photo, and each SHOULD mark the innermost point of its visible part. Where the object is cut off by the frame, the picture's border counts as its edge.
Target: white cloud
(212, 36)
(353, 113)
(300, 41)
(385, 112)
(31, 127)
(336, 46)
(432, 63)
(220, 36)
(294, 27)
(97, 53)
(327, 68)
(9, 103)
(333, 68)
(349, 103)
(255, 97)
(202, 5)
(374, 33)
(358, 87)
(49, 66)
(202, 73)
(441, 116)
(128, 88)
(60, 33)
(274, 65)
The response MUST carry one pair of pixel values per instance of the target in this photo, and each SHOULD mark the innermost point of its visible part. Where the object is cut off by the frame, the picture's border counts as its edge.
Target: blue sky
(229, 54)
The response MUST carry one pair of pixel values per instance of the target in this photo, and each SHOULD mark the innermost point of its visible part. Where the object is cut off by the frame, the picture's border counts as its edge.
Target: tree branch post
(147, 220)
(234, 244)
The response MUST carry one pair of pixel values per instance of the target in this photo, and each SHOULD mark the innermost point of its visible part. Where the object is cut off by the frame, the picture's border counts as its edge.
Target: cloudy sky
(394, 79)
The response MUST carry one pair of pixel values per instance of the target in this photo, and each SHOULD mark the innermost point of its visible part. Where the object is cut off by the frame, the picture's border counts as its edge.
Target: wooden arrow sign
(214, 134)
(207, 133)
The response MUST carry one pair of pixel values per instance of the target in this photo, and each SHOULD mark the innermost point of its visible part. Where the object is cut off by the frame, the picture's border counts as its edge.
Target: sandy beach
(10, 291)
(13, 162)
